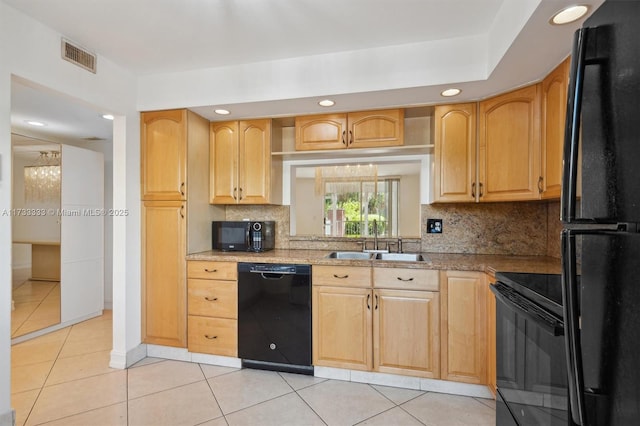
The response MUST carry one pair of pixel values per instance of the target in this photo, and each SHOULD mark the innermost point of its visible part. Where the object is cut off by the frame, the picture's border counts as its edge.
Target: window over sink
(361, 208)
(342, 207)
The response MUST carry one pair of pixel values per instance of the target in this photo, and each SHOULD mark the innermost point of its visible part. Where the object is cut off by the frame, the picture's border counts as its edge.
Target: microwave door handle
(570, 309)
(247, 235)
(572, 127)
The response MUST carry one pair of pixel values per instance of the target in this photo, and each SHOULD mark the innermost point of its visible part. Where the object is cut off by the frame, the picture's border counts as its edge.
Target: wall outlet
(434, 226)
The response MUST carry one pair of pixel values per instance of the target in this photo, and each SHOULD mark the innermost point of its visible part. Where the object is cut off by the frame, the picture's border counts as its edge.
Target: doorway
(68, 123)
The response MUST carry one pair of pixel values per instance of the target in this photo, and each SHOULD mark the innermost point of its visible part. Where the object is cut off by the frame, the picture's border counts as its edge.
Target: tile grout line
(48, 374)
(206, 379)
(304, 400)
(40, 302)
(395, 405)
(126, 393)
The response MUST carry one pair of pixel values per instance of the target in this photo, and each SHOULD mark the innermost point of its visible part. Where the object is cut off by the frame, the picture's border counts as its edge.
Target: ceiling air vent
(79, 56)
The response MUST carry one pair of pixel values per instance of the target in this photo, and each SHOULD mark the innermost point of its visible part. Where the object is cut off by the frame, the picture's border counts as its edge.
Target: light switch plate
(434, 226)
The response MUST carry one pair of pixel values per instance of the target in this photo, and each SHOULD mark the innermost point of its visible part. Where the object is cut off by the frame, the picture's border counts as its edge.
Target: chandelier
(340, 179)
(42, 180)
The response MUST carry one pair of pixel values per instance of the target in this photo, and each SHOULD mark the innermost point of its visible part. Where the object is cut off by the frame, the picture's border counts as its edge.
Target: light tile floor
(37, 303)
(63, 378)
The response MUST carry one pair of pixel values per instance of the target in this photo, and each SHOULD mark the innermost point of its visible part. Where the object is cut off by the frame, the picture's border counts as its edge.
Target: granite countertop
(446, 261)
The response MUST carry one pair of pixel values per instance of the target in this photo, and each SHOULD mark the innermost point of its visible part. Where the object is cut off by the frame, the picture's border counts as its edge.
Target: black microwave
(243, 235)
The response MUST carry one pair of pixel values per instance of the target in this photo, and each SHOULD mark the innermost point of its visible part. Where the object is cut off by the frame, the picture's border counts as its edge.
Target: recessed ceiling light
(108, 116)
(326, 103)
(450, 92)
(35, 123)
(221, 111)
(569, 14)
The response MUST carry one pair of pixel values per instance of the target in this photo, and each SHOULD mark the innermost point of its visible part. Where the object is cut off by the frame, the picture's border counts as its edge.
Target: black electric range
(543, 289)
(532, 380)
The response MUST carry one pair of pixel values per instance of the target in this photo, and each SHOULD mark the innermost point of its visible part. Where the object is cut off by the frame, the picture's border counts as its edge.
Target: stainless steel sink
(349, 255)
(402, 257)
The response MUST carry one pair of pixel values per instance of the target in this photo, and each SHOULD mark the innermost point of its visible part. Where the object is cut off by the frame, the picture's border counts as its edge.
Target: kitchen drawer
(216, 336)
(209, 270)
(406, 279)
(212, 298)
(343, 276)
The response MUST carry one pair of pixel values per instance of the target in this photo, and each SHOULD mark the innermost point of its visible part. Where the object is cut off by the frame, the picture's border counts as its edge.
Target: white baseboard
(183, 354)
(369, 377)
(122, 360)
(8, 418)
(408, 382)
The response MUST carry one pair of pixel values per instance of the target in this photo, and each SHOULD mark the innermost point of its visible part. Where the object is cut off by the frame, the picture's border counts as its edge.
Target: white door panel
(82, 233)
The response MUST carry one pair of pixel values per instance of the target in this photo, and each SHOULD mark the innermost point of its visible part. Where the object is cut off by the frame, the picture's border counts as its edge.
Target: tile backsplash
(522, 228)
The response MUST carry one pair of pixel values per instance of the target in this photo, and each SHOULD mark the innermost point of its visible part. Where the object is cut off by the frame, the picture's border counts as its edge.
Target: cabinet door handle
(540, 180)
(241, 193)
(481, 191)
(368, 297)
(210, 337)
(473, 189)
(344, 137)
(340, 277)
(350, 137)
(235, 190)
(405, 279)
(376, 308)
(210, 270)
(182, 211)
(182, 189)
(210, 299)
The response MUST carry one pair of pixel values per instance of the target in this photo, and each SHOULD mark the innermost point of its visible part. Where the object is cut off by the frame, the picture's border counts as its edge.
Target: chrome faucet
(375, 234)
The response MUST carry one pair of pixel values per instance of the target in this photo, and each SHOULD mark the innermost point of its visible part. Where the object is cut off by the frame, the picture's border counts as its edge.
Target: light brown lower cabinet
(464, 326)
(164, 307)
(212, 289)
(491, 336)
(406, 332)
(342, 327)
(387, 330)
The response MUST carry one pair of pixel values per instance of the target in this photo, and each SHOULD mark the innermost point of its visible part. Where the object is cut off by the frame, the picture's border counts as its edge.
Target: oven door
(530, 362)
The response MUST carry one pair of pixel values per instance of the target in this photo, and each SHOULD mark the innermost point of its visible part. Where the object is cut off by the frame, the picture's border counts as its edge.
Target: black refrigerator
(600, 238)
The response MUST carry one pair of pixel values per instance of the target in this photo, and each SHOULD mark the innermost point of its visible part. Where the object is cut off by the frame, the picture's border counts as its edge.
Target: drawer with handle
(216, 336)
(212, 298)
(406, 279)
(349, 276)
(210, 270)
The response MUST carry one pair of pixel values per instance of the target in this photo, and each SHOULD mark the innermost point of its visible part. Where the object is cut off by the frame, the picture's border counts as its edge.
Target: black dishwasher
(274, 317)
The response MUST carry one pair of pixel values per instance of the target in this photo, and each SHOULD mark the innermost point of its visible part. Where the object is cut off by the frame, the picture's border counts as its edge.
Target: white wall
(409, 225)
(31, 51)
(309, 206)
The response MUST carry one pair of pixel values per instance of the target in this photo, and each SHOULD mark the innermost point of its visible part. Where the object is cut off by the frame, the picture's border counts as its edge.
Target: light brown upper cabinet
(554, 111)
(368, 129)
(509, 146)
(455, 152)
(163, 155)
(240, 162)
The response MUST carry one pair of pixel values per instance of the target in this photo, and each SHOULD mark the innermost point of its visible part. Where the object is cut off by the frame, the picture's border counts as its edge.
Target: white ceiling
(153, 37)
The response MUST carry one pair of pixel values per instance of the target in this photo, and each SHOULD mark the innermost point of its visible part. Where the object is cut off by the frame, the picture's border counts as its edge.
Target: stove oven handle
(515, 303)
